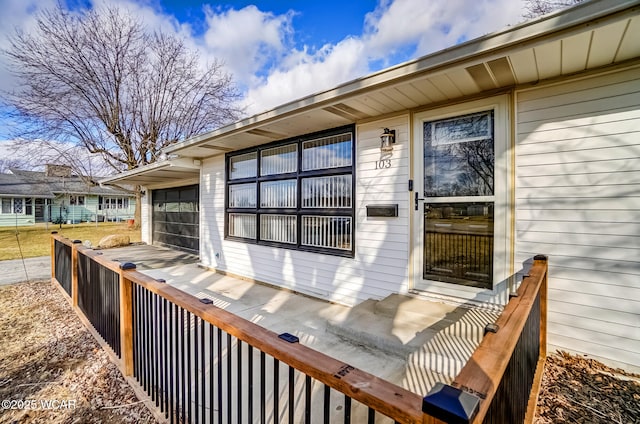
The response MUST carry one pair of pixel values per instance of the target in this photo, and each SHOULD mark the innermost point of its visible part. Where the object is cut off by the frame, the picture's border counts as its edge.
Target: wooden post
(74, 273)
(53, 256)
(539, 260)
(542, 260)
(126, 321)
(448, 404)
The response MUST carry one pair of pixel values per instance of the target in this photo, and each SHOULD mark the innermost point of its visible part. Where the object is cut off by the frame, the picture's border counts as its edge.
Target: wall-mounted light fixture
(387, 140)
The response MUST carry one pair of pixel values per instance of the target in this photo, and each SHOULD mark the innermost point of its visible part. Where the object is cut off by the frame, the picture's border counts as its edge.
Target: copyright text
(38, 404)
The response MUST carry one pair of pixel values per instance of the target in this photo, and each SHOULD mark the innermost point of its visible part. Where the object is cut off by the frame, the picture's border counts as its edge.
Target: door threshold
(450, 300)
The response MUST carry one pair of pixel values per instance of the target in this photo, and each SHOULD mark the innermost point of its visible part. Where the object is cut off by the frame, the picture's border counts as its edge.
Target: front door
(42, 209)
(459, 205)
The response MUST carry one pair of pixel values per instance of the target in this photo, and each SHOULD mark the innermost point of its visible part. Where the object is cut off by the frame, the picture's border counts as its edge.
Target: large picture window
(294, 193)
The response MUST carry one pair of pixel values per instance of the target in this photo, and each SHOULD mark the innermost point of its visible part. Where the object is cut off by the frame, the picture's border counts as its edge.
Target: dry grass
(582, 390)
(35, 240)
(52, 370)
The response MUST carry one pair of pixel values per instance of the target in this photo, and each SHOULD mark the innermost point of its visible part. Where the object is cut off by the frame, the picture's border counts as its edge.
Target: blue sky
(279, 51)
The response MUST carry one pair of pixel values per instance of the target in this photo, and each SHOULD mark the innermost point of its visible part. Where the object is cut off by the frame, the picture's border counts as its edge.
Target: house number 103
(385, 163)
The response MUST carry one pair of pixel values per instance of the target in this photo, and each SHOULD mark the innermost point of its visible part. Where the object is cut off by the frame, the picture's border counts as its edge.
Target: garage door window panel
(175, 217)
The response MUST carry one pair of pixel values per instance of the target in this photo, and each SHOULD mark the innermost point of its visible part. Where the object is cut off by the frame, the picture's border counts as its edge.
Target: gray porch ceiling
(167, 171)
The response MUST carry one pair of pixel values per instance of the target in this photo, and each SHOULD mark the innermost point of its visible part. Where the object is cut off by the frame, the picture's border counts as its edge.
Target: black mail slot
(382, 210)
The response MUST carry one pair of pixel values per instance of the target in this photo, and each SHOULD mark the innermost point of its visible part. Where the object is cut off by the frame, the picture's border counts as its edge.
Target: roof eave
(559, 21)
(170, 169)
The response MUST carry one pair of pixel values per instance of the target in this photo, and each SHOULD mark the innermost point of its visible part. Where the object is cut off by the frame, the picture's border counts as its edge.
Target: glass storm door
(455, 200)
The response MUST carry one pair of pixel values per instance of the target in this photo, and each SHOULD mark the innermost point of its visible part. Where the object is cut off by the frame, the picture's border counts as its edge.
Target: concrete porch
(408, 341)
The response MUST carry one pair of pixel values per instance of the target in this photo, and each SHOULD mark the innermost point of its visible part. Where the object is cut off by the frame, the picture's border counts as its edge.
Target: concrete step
(439, 336)
(454, 320)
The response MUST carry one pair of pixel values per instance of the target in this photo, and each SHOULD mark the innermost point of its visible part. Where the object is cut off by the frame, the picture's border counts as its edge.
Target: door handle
(417, 199)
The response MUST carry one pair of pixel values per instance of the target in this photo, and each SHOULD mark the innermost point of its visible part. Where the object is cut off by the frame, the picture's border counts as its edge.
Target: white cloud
(395, 31)
(248, 40)
(258, 46)
(301, 74)
(432, 26)
(16, 14)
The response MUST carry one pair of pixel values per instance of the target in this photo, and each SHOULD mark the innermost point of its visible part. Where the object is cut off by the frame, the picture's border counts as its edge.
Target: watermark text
(37, 404)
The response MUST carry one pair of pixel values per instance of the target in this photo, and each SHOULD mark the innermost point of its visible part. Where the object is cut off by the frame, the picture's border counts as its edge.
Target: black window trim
(298, 211)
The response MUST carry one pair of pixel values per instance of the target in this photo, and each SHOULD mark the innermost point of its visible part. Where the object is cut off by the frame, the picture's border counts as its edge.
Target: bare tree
(7, 164)
(100, 80)
(35, 154)
(535, 8)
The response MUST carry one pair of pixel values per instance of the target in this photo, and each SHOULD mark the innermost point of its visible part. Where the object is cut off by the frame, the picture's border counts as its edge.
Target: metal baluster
(182, 366)
(347, 409)
(189, 369)
(291, 394)
(147, 338)
(203, 374)
(220, 409)
(239, 379)
(196, 375)
(250, 385)
(156, 371)
(307, 400)
(327, 404)
(262, 389)
(276, 390)
(211, 385)
(173, 335)
(134, 328)
(371, 419)
(165, 344)
(229, 378)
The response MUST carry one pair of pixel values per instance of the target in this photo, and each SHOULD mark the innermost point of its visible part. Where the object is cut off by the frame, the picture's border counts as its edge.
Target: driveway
(13, 271)
(145, 257)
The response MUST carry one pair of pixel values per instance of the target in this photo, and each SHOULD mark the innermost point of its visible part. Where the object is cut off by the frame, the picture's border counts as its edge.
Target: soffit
(167, 171)
(562, 44)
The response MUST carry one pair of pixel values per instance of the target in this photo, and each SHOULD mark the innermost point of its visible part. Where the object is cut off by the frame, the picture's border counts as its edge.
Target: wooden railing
(200, 363)
(501, 380)
(62, 260)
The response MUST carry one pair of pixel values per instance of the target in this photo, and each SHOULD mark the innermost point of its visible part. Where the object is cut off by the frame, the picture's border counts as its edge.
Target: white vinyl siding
(146, 211)
(379, 265)
(578, 200)
(13, 212)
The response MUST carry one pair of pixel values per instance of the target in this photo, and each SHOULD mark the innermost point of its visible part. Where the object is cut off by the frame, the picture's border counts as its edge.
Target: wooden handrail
(383, 396)
(484, 371)
(387, 398)
(481, 376)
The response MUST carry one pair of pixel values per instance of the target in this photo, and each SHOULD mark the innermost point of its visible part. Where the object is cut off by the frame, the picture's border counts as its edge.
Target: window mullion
(328, 207)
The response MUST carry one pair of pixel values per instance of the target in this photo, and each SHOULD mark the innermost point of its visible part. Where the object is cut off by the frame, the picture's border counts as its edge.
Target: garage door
(175, 218)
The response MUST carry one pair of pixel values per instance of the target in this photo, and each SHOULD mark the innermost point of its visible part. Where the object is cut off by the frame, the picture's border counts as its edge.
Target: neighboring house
(56, 195)
(520, 142)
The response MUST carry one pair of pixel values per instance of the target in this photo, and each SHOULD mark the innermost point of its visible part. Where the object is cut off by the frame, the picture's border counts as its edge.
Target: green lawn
(35, 240)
